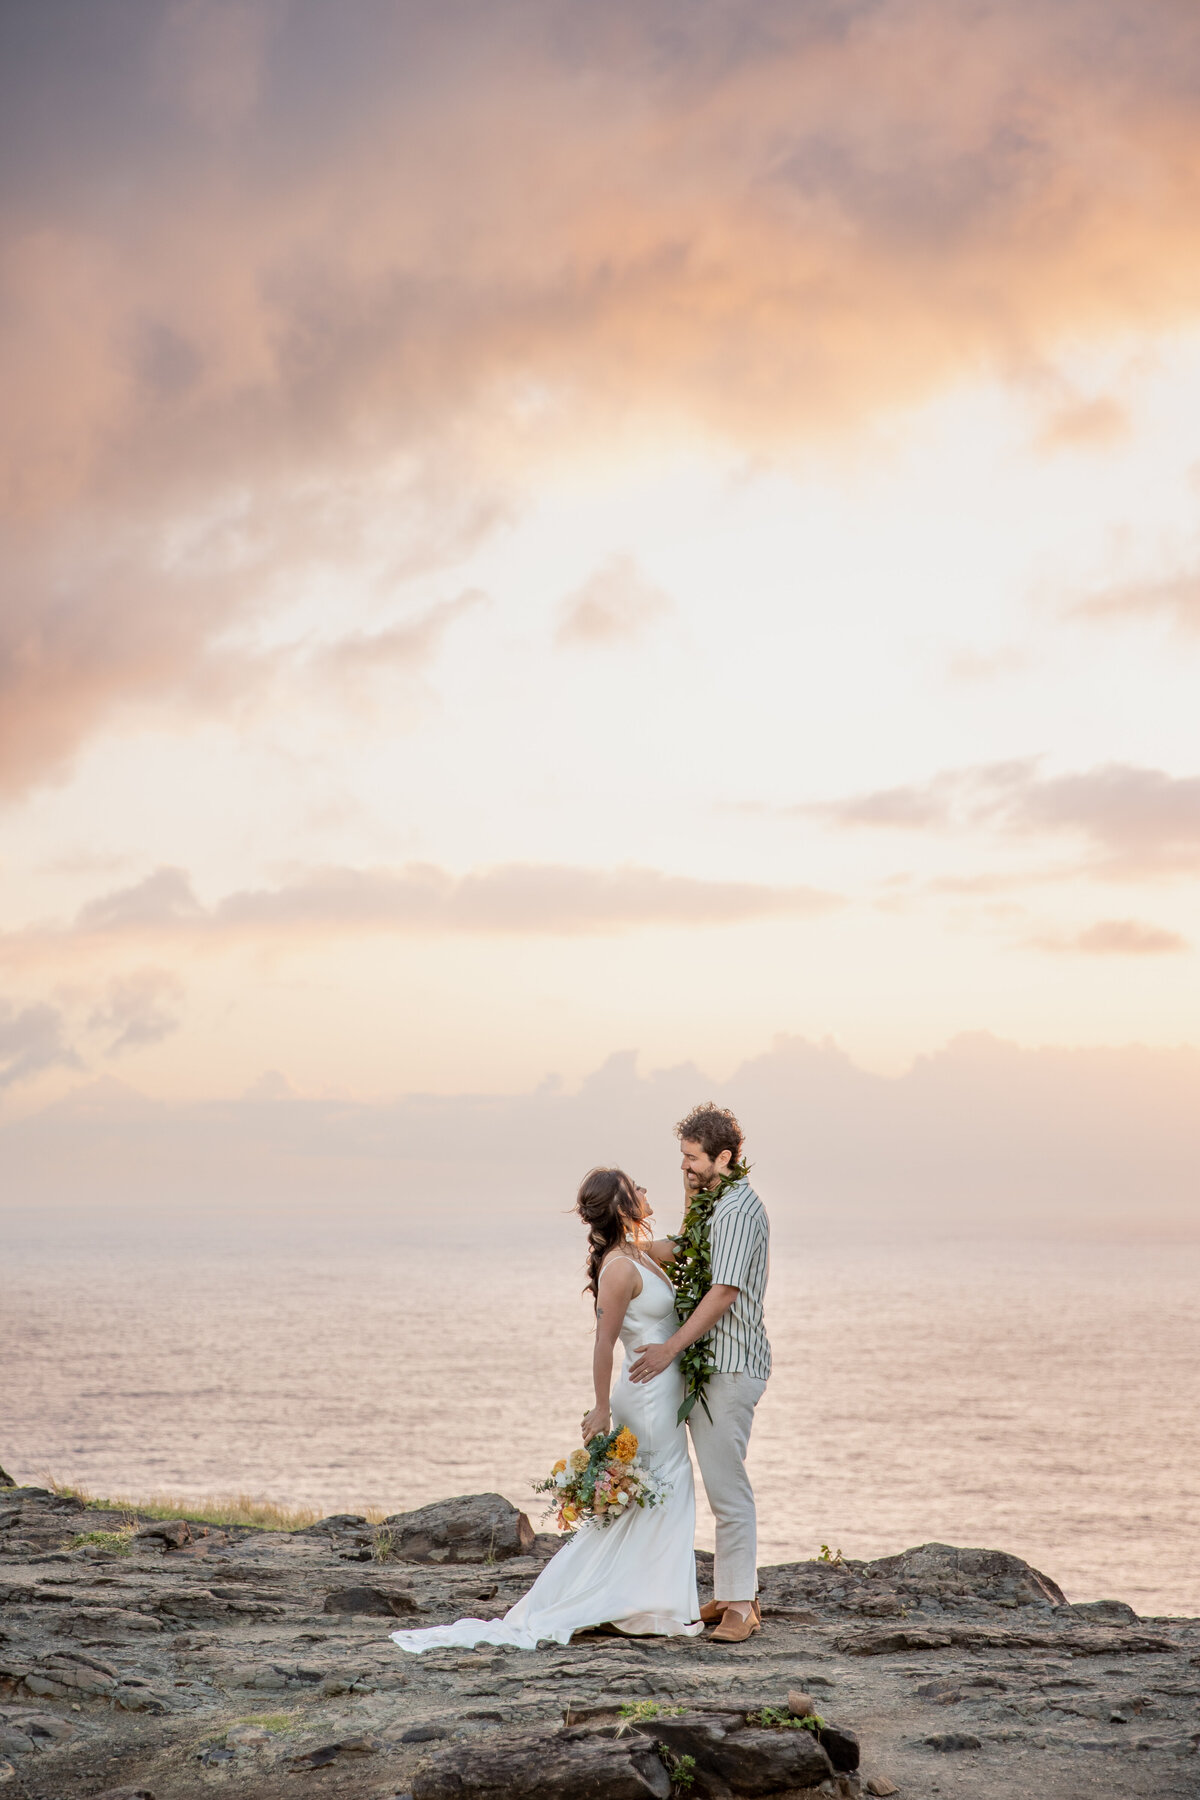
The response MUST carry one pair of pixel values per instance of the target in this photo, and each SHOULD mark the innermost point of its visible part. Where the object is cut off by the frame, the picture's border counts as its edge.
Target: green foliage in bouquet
(597, 1449)
(598, 1481)
(692, 1275)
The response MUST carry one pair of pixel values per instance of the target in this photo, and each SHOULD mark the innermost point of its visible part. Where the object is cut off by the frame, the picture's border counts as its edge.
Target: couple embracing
(688, 1312)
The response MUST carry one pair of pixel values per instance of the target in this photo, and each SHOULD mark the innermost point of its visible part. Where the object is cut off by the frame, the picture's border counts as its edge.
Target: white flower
(562, 1479)
(622, 1498)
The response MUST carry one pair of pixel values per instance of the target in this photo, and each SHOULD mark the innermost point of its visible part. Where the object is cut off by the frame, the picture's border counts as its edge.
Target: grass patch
(648, 1709)
(271, 1721)
(212, 1509)
(782, 1719)
(117, 1543)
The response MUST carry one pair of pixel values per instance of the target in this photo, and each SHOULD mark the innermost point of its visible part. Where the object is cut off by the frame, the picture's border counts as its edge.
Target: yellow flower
(625, 1448)
(579, 1461)
(559, 1466)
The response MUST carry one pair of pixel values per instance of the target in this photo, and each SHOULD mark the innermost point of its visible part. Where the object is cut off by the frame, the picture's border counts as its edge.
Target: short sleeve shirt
(739, 1244)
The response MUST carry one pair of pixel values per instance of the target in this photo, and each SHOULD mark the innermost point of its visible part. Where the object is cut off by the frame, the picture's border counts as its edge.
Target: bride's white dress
(639, 1573)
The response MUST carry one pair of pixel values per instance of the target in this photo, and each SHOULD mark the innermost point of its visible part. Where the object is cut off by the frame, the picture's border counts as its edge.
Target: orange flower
(559, 1466)
(625, 1448)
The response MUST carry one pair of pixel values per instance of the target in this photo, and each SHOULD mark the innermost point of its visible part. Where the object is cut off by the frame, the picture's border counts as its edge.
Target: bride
(639, 1572)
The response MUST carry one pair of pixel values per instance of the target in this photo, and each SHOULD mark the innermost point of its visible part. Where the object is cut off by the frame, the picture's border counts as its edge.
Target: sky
(538, 535)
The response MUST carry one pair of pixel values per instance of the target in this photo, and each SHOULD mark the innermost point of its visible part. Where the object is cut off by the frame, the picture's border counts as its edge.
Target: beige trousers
(720, 1446)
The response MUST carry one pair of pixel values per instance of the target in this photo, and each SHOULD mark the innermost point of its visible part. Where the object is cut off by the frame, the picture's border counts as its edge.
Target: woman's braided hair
(612, 1209)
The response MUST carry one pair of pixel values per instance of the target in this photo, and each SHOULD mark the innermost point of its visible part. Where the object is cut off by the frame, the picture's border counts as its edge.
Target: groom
(729, 1318)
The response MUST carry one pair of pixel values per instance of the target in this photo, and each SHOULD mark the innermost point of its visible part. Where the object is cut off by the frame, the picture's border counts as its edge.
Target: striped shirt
(739, 1240)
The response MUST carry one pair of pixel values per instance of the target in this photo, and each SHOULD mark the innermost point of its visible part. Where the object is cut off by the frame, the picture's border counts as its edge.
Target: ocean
(1036, 1397)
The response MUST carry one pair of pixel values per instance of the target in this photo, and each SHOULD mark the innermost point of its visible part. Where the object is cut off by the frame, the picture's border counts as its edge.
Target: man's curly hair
(714, 1128)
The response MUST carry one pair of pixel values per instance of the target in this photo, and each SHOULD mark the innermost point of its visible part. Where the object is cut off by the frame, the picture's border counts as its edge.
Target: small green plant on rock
(781, 1719)
(833, 1557)
(648, 1709)
(681, 1769)
(383, 1548)
(117, 1543)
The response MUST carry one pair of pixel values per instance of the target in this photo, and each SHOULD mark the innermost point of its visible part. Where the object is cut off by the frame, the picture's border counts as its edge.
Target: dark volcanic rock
(470, 1528)
(335, 1522)
(546, 1765)
(324, 1754)
(747, 1759)
(387, 1603)
(887, 1643)
(727, 1757)
(1106, 1612)
(988, 1574)
(840, 1746)
(122, 1674)
(6, 1480)
(174, 1532)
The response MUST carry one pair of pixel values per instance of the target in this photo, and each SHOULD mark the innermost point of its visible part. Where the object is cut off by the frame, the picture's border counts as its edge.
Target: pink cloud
(294, 276)
(32, 1039)
(1132, 820)
(1115, 937)
(981, 1136)
(615, 605)
(138, 1010)
(511, 898)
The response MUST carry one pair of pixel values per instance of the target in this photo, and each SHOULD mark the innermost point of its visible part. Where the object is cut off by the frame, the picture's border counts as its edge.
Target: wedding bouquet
(600, 1483)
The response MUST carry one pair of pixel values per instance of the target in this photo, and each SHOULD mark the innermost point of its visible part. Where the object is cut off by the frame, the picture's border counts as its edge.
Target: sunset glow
(536, 533)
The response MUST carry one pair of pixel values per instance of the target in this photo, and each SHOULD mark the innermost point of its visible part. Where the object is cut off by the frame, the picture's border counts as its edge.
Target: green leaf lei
(692, 1274)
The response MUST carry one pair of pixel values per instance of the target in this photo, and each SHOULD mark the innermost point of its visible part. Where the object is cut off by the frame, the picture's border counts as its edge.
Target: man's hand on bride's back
(650, 1360)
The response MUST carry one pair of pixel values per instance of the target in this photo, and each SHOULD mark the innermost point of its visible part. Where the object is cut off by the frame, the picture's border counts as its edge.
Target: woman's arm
(617, 1280)
(663, 1249)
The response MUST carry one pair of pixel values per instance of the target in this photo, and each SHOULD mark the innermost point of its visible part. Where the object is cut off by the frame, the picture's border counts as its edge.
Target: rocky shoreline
(175, 1658)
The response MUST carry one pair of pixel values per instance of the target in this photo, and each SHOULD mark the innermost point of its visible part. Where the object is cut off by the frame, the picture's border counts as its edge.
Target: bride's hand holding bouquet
(597, 1484)
(596, 1423)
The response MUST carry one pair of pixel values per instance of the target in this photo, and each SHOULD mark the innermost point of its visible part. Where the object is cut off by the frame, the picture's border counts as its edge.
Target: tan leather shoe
(714, 1610)
(734, 1629)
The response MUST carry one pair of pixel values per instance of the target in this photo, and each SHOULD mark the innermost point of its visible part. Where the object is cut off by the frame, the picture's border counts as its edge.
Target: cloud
(1133, 820)
(980, 1136)
(511, 898)
(615, 605)
(360, 657)
(988, 665)
(272, 1084)
(1175, 598)
(105, 620)
(158, 902)
(1085, 424)
(283, 296)
(138, 1010)
(1116, 937)
(32, 1040)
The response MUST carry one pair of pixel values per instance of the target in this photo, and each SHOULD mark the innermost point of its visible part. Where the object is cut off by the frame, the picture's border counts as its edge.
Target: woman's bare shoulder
(620, 1269)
